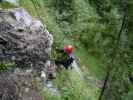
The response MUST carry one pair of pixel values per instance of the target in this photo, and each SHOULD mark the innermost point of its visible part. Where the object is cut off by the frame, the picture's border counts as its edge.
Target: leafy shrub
(5, 66)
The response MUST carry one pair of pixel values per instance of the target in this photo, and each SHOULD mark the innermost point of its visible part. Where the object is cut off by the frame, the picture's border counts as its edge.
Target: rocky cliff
(22, 39)
(27, 43)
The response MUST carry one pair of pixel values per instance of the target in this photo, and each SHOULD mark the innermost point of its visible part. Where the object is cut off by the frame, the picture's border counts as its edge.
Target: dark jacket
(65, 59)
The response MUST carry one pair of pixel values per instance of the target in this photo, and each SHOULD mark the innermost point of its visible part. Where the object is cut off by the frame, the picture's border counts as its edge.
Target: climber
(66, 56)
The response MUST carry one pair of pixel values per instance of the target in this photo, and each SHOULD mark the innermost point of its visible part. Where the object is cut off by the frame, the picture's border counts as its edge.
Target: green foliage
(128, 96)
(67, 93)
(5, 66)
(95, 24)
(6, 5)
(74, 88)
(48, 96)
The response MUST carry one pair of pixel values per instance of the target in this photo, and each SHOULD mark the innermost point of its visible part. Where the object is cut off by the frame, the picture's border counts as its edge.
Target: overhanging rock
(22, 39)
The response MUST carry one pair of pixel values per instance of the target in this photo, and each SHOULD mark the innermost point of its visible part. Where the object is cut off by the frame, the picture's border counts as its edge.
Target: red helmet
(68, 48)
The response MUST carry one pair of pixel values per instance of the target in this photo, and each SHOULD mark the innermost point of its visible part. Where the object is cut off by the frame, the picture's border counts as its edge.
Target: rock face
(8, 90)
(18, 86)
(27, 43)
(22, 39)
